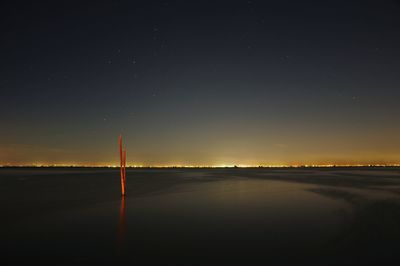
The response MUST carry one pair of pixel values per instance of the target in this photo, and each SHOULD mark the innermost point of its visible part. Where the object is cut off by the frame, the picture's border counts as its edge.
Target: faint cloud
(280, 145)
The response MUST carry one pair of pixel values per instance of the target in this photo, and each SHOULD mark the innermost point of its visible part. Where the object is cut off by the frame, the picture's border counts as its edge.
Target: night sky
(200, 82)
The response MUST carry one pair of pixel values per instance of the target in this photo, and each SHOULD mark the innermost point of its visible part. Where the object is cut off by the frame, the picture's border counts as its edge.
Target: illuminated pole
(122, 156)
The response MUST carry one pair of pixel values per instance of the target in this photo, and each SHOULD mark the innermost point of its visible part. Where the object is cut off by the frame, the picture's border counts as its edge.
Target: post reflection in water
(121, 227)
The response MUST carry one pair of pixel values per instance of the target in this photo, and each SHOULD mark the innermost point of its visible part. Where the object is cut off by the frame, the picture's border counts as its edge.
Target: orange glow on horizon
(66, 165)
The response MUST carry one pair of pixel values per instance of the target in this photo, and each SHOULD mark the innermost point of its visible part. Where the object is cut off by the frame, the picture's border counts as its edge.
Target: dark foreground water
(332, 216)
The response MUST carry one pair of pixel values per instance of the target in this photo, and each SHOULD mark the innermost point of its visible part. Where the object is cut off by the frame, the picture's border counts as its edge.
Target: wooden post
(122, 156)
(124, 179)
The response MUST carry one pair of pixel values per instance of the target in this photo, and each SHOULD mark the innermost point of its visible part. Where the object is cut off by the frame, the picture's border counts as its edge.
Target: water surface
(201, 216)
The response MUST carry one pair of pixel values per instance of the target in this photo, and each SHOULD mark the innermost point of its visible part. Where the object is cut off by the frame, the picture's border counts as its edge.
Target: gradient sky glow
(200, 82)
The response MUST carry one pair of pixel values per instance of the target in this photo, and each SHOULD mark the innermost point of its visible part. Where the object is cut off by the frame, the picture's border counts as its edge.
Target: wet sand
(326, 216)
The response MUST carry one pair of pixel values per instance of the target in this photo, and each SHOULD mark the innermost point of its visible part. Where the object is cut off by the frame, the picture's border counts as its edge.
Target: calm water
(201, 216)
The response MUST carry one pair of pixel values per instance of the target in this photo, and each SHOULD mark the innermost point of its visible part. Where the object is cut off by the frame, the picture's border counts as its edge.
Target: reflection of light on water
(121, 227)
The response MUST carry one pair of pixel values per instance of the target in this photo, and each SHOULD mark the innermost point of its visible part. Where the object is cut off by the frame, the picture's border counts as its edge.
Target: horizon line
(200, 166)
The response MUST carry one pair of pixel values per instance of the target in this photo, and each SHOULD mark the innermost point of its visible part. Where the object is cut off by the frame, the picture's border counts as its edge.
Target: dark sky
(200, 82)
